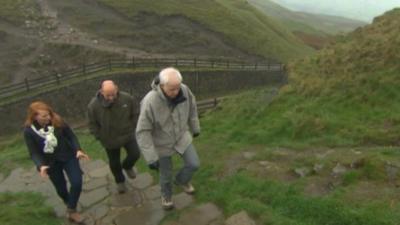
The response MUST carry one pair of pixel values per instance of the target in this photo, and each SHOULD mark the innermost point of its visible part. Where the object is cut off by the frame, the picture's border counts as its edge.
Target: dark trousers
(114, 157)
(74, 174)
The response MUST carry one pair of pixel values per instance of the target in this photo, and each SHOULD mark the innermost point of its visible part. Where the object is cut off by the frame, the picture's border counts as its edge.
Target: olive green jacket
(113, 125)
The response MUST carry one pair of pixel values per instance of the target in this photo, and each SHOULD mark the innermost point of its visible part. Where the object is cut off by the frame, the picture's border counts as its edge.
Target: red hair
(33, 109)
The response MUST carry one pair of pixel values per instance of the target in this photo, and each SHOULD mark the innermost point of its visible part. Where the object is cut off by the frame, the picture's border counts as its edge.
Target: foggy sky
(364, 10)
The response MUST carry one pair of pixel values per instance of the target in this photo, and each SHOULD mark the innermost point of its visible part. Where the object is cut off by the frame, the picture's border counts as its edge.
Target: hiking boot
(130, 173)
(121, 188)
(74, 216)
(188, 188)
(167, 203)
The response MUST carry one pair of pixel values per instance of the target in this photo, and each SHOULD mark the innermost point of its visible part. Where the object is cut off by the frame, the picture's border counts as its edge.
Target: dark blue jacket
(66, 149)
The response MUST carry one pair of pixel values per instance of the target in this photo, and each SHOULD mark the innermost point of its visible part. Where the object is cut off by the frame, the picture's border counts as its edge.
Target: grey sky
(364, 10)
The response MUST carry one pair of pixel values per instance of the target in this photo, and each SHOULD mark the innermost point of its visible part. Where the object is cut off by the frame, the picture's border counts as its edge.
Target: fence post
(176, 62)
(194, 62)
(26, 84)
(215, 102)
(57, 75)
(109, 65)
(133, 61)
(84, 69)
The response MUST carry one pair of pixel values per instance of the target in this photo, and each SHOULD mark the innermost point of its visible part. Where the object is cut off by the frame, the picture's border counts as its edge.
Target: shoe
(188, 188)
(130, 173)
(167, 203)
(121, 188)
(74, 217)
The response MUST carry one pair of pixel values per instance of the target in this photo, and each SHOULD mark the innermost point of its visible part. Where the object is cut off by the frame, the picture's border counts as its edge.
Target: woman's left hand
(81, 155)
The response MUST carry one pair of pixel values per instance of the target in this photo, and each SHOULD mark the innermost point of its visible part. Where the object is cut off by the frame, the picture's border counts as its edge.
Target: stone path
(102, 205)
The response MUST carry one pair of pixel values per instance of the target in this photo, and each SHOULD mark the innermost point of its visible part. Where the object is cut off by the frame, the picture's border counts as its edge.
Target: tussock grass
(237, 20)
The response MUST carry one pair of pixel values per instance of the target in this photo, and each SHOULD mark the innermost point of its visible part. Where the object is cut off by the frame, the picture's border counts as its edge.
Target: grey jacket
(163, 128)
(113, 125)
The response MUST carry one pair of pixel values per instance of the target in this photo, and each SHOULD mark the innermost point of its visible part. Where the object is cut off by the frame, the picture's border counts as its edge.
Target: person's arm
(194, 122)
(34, 150)
(144, 129)
(94, 127)
(70, 135)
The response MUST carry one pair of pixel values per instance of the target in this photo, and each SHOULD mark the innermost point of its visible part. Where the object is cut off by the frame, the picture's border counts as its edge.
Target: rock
(91, 165)
(303, 171)
(95, 183)
(99, 172)
(142, 181)
(182, 200)
(98, 212)
(130, 198)
(249, 155)
(264, 163)
(150, 213)
(338, 170)
(325, 154)
(241, 218)
(153, 192)
(90, 198)
(318, 168)
(201, 215)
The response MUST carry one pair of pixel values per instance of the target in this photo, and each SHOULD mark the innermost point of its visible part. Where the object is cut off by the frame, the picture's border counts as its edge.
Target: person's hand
(196, 134)
(154, 166)
(81, 155)
(43, 171)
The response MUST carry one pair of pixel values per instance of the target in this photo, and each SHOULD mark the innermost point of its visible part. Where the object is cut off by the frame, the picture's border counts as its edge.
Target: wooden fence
(82, 72)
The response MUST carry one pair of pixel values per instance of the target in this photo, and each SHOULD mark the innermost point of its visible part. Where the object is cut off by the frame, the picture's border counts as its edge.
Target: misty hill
(364, 10)
(307, 22)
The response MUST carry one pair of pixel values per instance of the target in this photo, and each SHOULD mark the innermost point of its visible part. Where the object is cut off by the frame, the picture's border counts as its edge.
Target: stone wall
(71, 102)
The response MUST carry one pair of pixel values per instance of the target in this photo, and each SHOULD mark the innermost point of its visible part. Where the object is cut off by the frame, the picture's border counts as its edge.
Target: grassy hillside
(307, 22)
(17, 11)
(346, 95)
(237, 21)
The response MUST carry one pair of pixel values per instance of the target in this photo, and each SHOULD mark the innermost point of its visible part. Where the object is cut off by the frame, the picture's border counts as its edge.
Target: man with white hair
(112, 121)
(167, 122)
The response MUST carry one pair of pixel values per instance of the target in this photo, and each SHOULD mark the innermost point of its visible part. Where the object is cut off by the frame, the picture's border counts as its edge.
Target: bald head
(170, 81)
(109, 90)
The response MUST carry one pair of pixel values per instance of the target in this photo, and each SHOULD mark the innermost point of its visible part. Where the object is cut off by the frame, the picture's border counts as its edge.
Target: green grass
(25, 208)
(17, 11)
(237, 20)
(275, 203)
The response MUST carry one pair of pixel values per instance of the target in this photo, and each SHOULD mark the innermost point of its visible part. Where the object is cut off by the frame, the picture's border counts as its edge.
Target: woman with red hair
(54, 148)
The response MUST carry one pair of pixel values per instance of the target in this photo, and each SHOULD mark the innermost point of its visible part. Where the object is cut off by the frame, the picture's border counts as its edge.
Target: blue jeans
(191, 163)
(74, 174)
(114, 157)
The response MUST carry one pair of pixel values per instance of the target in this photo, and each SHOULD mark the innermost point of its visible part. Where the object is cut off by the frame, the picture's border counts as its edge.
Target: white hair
(164, 75)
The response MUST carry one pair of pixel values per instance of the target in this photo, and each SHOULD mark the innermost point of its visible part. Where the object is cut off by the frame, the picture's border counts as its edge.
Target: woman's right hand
(43, 171)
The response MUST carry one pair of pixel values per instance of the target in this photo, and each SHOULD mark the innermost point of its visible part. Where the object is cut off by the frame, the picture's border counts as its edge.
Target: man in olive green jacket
(111, 116)
(167, 122)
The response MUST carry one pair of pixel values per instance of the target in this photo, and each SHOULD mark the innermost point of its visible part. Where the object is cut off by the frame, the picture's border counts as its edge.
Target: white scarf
(50, 141)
